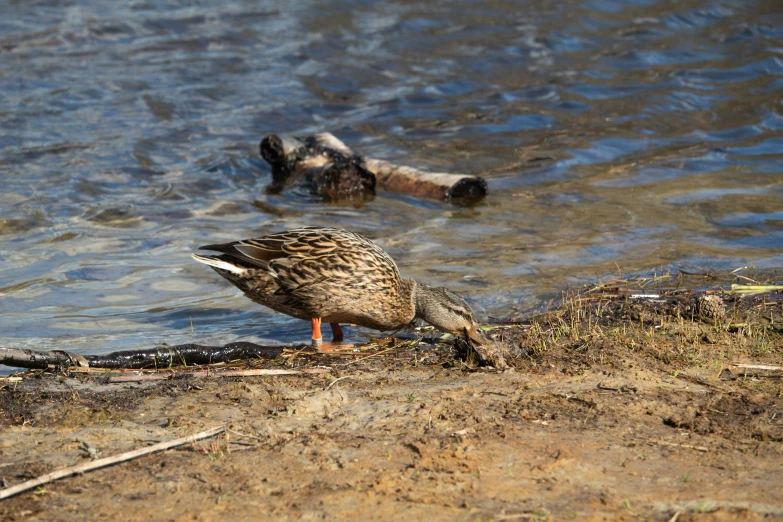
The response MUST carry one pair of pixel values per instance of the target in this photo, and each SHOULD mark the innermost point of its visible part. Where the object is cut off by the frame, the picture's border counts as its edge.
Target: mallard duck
(333, 275)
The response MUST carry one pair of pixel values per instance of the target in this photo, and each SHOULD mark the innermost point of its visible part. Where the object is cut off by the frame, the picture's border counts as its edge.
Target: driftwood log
(159, 357)
(332, 170)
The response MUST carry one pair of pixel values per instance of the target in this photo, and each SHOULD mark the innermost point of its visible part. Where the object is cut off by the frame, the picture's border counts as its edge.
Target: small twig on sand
(368, 357)
(160, 376)
(676, 516)
(517, 516)
(686, 446)
(240, 434)
(108, 461)
(336, 381)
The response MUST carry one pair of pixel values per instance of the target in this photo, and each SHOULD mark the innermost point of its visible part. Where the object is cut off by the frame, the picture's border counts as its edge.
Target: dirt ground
(614, 409)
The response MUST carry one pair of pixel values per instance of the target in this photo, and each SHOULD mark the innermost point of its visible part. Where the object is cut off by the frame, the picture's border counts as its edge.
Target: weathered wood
(159, 357)
(332, 170)
(24, 358)
(434, 185)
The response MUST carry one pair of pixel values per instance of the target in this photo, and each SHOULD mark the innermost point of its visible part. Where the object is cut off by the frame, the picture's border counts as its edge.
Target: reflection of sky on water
(614, 134)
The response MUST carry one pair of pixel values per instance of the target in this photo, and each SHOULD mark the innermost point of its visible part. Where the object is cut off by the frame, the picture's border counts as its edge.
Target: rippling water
(624, 136)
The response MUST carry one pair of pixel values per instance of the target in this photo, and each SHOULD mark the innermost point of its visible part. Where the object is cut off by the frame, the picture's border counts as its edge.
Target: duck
(325, 274)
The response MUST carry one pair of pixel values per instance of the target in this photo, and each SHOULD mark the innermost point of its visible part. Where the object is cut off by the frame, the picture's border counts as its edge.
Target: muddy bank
(615, 409)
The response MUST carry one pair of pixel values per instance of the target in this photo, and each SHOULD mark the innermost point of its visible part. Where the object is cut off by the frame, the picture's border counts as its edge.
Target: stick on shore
(108, 461)
(221, 373)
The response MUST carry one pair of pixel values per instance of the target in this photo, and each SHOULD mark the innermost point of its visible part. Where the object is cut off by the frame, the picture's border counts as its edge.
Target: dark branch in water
(159, 357)
(490, 353)
(332, 170)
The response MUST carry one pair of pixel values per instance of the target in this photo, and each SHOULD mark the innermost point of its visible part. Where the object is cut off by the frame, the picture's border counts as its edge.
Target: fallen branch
(332, 170)
(160, 357)
(108, 461)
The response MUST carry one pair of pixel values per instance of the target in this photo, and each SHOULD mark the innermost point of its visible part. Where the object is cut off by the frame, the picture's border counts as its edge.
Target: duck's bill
(476, 335)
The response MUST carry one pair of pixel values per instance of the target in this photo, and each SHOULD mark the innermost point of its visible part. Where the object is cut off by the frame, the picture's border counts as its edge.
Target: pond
(617, 137)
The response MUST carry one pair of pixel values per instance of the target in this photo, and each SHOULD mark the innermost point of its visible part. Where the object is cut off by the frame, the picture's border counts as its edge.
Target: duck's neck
(422, 299)
(408, 295)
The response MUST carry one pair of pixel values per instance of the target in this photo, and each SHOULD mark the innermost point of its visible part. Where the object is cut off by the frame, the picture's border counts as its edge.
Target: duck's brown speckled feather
(323, 272)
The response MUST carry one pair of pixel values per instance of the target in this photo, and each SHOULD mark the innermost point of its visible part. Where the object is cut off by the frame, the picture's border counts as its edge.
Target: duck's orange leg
(337, 336)
(337, 333)
(317, 338)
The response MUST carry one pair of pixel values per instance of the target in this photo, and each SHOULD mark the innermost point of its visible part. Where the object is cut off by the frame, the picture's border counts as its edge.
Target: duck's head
(447, 312)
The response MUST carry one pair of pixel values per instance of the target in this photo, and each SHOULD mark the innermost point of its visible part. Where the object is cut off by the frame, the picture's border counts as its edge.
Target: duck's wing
(307, 243)
(256, 252)
(320, 257)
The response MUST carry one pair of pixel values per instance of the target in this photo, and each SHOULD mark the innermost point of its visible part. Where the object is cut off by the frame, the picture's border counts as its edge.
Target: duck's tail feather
(220, 264)
(226, 248)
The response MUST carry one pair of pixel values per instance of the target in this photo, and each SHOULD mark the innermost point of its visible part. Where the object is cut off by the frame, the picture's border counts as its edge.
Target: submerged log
(159, 357)
(332, 170)
(434, 185)
(321, 162)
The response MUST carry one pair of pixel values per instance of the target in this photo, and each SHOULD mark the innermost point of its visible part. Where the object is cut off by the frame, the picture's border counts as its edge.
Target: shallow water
(616, 136)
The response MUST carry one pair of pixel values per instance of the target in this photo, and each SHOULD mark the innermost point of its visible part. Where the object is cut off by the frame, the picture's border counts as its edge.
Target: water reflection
(615, 135)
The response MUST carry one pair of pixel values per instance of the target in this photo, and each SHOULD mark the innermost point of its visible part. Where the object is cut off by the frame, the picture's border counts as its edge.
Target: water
(616, 136)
